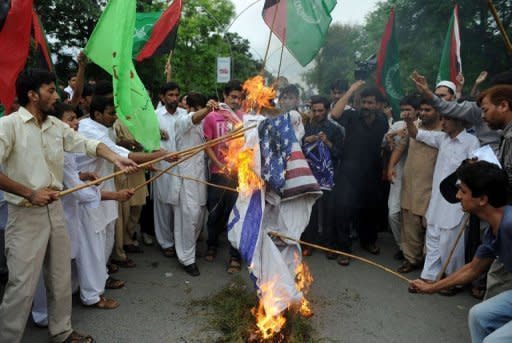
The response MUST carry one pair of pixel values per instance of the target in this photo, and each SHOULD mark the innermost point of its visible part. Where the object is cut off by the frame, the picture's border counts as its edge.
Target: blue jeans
(491, 320)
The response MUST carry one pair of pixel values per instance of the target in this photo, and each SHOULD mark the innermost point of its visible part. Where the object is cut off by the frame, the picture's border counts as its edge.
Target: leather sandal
(234, 266)
(112, 283)
(105, 304)
(407, 267)
(112, 268)
(210, 254)
(169, 252)
(76, 337)
(344, 261)
(127, 263)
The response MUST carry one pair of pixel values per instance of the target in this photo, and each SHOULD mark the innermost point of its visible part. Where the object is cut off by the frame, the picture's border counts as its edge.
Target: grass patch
(229, 313)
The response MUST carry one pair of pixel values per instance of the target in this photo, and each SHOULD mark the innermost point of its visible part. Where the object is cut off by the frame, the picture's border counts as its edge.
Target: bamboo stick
(162, 172)
(461, 231)
(277, 234)
(269, 39)
(503, 32)
(232, 135)
(202, 181)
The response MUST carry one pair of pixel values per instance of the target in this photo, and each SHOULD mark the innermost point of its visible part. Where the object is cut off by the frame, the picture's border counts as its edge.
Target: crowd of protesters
(378, 171)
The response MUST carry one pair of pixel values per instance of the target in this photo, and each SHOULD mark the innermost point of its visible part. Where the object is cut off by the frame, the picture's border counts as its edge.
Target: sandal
(112, 283)
(127, 263)
(105, 304)
(112, 268)
(169, 252)
(210, 254)
(234, 266)
(407, 267)
(343, 261)
(478, 292)
(76, 337)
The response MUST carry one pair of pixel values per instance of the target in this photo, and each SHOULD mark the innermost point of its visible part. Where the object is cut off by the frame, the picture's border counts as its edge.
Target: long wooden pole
(162, 172)
(503, 32)
(201, 181)
(269, 39)
(380, 266)
(447, 262)
(232, 135)
(280, 61)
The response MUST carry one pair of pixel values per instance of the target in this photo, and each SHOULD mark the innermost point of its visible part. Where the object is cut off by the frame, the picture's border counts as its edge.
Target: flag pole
(280, 61)
(508, 44)
(269, 39)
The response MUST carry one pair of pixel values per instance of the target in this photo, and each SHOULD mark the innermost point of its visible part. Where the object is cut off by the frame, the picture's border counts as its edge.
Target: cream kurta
(34, 156)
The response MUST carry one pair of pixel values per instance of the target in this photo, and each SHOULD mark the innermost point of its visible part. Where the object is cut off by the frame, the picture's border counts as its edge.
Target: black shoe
(192, 270)
(399, 255)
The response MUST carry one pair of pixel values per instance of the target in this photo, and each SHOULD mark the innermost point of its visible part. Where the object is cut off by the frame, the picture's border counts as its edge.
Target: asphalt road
(358, 303)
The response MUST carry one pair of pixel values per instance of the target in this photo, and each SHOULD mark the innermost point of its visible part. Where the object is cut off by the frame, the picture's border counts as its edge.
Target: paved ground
(352, 304)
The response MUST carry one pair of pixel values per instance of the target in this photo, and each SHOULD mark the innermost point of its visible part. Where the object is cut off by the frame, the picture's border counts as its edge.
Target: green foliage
(421, 28)
(336, 60)
(229, 313)
(201, 39)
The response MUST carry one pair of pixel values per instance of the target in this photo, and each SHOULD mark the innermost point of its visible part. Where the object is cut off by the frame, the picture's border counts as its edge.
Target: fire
(258, 96)
(303, 281)
(268, 324)
(240, 161)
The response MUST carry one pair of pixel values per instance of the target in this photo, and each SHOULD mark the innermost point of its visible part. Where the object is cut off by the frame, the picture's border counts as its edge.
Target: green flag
(110, 47)
(144, 23)
(301, 25)
(388, 68)
(451, 61)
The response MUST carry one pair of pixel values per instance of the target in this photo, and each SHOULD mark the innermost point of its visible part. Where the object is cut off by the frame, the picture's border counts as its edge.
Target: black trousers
(220, 203)
(320, 213)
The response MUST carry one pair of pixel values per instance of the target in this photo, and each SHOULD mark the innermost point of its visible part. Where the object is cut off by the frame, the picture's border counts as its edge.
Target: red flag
(40, 42)
(163, 36)
(14, 45)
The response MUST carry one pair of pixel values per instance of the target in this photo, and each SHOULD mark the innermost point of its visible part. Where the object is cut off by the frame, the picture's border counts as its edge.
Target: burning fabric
(283, 206)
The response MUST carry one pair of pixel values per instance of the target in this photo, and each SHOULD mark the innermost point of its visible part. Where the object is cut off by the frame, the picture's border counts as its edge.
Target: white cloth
(439, 242)
(164, 223)
(395, 188)
(189, 213)
(70, 91)
(165, 187)
(91, 129)
(91, 263)
(451, 154)
(89, 197)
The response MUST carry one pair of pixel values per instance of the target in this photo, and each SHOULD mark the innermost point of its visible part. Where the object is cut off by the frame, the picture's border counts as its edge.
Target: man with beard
(322, 145)
(418, 171)
(32, 149)
(165, 191)
(359, 190)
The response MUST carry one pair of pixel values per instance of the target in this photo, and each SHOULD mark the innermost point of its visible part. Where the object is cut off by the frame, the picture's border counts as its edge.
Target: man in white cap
(446, 90)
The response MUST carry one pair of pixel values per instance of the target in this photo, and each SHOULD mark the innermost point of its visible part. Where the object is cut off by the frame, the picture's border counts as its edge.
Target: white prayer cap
(447, 84)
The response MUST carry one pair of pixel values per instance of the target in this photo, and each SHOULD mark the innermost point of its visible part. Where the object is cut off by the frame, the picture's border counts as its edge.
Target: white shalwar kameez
(99, 223)
(88, 197)
(164, 188)
(190, 205)
(443, 218)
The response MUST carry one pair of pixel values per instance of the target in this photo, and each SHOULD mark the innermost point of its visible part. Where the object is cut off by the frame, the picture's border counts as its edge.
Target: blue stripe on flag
(251, 227)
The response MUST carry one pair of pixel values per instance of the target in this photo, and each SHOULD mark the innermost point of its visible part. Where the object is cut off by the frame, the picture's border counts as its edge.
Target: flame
(269, 325)
(258, 96)
(303, 281)
(240, 161)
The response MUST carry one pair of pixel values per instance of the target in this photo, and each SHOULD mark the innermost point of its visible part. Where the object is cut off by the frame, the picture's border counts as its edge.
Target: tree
(343, 47)
(201, 38)
(421, 28)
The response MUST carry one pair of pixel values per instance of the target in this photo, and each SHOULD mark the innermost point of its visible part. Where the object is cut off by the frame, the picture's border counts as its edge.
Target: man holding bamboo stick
(482, 192)
(32, 146)
(99, 127)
